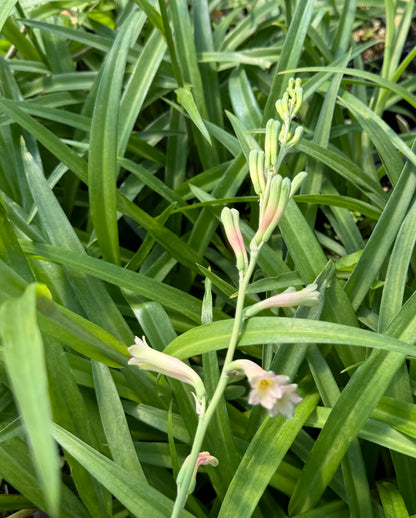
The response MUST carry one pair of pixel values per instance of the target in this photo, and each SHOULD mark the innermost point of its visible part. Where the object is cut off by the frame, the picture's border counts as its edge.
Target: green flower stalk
(272, 391)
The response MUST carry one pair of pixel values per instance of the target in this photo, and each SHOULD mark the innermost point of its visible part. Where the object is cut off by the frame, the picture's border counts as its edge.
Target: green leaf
(138, 87)
(396, 275)
(25, 363)
(391, 500)
(382, 236)
(114, 421)
(69, 410)
(186, 99)
(102, 163)
(136, 282)
(266, 330)
(137, 496)
(262, 458)
(6, 9)
(16, 467)
(93, 296)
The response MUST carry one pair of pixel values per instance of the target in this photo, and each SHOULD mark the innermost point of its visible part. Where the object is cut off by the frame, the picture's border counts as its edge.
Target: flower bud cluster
(290, 104)
(273, 190)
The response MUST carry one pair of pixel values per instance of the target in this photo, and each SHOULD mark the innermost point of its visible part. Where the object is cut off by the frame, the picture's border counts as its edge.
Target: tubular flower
(268, 389)
(306, 297)
(149, 359)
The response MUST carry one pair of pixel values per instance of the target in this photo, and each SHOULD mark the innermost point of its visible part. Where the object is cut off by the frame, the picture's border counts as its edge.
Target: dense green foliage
(125, 128)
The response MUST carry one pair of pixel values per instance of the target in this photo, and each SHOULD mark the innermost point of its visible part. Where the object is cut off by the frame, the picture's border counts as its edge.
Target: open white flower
(270, 390)
(149, 359)
(286, 404)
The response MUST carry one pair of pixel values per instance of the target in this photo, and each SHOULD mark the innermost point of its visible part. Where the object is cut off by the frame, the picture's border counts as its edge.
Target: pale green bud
(294, 141)
(284, 136)
(297, 182)
(282, 109)
(256, 167)
(299, 99)
(270, 146)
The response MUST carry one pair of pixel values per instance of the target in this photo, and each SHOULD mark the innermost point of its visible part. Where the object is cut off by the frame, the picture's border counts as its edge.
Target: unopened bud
(231, 221)
(299, 99)
(270, 146)
(294, 141)
(204, 458)
(282, 109)
(297, 182)
(284, 192)
(256, 166)
(274, 206)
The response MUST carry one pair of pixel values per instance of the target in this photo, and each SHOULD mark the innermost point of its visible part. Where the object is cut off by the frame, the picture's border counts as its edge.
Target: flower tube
(149, 359)
(309, 296)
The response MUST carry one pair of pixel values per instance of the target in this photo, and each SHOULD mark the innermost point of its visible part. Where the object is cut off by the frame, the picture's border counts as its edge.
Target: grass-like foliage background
(125, 128)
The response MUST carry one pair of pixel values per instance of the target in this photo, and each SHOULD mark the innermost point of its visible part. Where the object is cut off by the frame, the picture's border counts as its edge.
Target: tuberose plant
(189, 323)
(268, 389)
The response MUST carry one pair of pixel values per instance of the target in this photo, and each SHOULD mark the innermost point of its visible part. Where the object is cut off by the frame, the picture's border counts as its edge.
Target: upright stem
(204, 419)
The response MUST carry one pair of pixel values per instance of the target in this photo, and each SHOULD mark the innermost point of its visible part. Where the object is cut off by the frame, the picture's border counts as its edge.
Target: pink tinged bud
(275, 206)
(204, 459)
(149, 359)
(270, 390)
(306, 297)
(231, 221)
